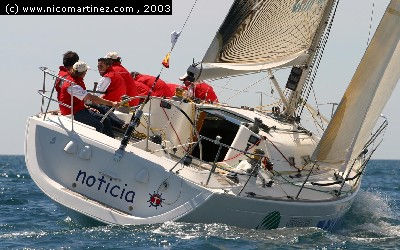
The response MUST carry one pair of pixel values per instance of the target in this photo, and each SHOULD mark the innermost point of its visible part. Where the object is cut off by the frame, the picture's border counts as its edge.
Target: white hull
(269, 214)
(84, 177)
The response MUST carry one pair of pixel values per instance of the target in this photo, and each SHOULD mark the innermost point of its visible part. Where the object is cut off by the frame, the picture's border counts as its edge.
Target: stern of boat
(75, 167)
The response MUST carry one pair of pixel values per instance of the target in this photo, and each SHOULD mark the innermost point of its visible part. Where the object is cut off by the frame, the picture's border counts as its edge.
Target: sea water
(29, 219)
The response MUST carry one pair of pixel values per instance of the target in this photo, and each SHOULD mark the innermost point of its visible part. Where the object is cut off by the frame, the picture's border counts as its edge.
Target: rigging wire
(316, 61)
(321, 125)
(181, 31)
(370, 22)
(252, 92)
(220, 85)
(243, 90)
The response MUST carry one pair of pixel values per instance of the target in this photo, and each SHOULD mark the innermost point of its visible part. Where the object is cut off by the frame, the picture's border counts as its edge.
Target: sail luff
(368, 92)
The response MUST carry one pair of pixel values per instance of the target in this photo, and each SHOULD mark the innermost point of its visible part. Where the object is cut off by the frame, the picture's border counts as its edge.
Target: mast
(295, 97)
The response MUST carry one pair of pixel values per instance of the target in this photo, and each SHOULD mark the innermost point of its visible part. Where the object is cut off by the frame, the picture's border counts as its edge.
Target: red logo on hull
(155, 200)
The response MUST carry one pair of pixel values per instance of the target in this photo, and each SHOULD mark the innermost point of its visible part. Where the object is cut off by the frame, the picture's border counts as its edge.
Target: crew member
(160, 89)
(111, 84)
(199, 90)
(75, 85)
(112, 87)
(142, 89)
(69, 59)
(131, 89)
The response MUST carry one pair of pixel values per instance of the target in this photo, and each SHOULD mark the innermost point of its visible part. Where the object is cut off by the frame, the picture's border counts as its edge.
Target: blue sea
(30, 220)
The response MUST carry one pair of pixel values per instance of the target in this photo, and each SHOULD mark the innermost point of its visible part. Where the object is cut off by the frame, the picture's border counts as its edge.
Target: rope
(282, 154)
(174, 147)
(241, 153)
(177, 136)
(287, 181)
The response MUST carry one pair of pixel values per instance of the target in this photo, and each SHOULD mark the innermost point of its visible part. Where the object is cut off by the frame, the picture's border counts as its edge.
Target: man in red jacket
(111, 83)
(161, 89)
(199, 90)
(131, 89)
(69, 59)
(75, 85)
(112, 87)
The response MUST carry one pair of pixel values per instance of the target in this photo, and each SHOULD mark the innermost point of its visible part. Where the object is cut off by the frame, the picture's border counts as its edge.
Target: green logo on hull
(271, 221)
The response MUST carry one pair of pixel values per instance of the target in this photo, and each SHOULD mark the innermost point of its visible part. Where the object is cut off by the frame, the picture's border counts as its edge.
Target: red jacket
(160, 90)
(117, 88)
(204, 92)
(172, 87)
(142, 89)
(130, 85)
(65, 97)
(58, 84)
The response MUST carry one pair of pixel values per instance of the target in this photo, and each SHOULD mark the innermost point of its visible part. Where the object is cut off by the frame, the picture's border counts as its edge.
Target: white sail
(258, 35)
(367, 94)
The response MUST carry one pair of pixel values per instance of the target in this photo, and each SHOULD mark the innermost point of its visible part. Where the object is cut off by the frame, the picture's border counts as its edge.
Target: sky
(28, 42)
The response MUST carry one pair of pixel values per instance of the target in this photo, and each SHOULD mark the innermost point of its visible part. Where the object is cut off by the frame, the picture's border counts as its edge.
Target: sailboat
(197, 162)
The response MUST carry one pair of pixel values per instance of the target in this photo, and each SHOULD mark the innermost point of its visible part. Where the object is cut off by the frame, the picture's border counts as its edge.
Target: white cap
(112, 55)
(183, 78)
(80, 66)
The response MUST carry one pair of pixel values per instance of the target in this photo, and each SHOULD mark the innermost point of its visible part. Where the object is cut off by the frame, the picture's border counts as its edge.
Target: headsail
(258, 35)
(367, 94)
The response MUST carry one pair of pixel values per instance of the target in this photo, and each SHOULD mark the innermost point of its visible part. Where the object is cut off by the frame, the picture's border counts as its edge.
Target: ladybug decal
(155, 200)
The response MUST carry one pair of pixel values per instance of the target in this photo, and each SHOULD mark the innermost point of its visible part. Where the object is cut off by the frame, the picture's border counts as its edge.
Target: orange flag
(165, 62)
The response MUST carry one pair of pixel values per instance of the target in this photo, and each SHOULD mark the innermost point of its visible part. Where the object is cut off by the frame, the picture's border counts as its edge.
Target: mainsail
(258, 35)
(367, 94)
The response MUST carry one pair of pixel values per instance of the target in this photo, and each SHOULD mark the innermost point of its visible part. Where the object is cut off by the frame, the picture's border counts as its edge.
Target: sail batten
(257, 34)
(367, 94)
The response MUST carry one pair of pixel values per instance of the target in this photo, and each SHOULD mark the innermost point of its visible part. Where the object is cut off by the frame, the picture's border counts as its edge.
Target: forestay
(367, 94)
(258, 35)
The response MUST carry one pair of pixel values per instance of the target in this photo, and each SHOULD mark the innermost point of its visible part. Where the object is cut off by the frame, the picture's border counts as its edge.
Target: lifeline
(114, 191)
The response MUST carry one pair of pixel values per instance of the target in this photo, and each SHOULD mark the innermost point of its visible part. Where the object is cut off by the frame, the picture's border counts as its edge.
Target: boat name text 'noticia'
(113, 190)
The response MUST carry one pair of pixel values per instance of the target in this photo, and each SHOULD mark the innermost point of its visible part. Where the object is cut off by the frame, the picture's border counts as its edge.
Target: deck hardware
(85, 153)
(255, 164)
(71, 147)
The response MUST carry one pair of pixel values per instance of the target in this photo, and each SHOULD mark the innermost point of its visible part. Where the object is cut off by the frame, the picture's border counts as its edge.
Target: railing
(364, 152)
(71, 107)
(50, 98)
(364, 156)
